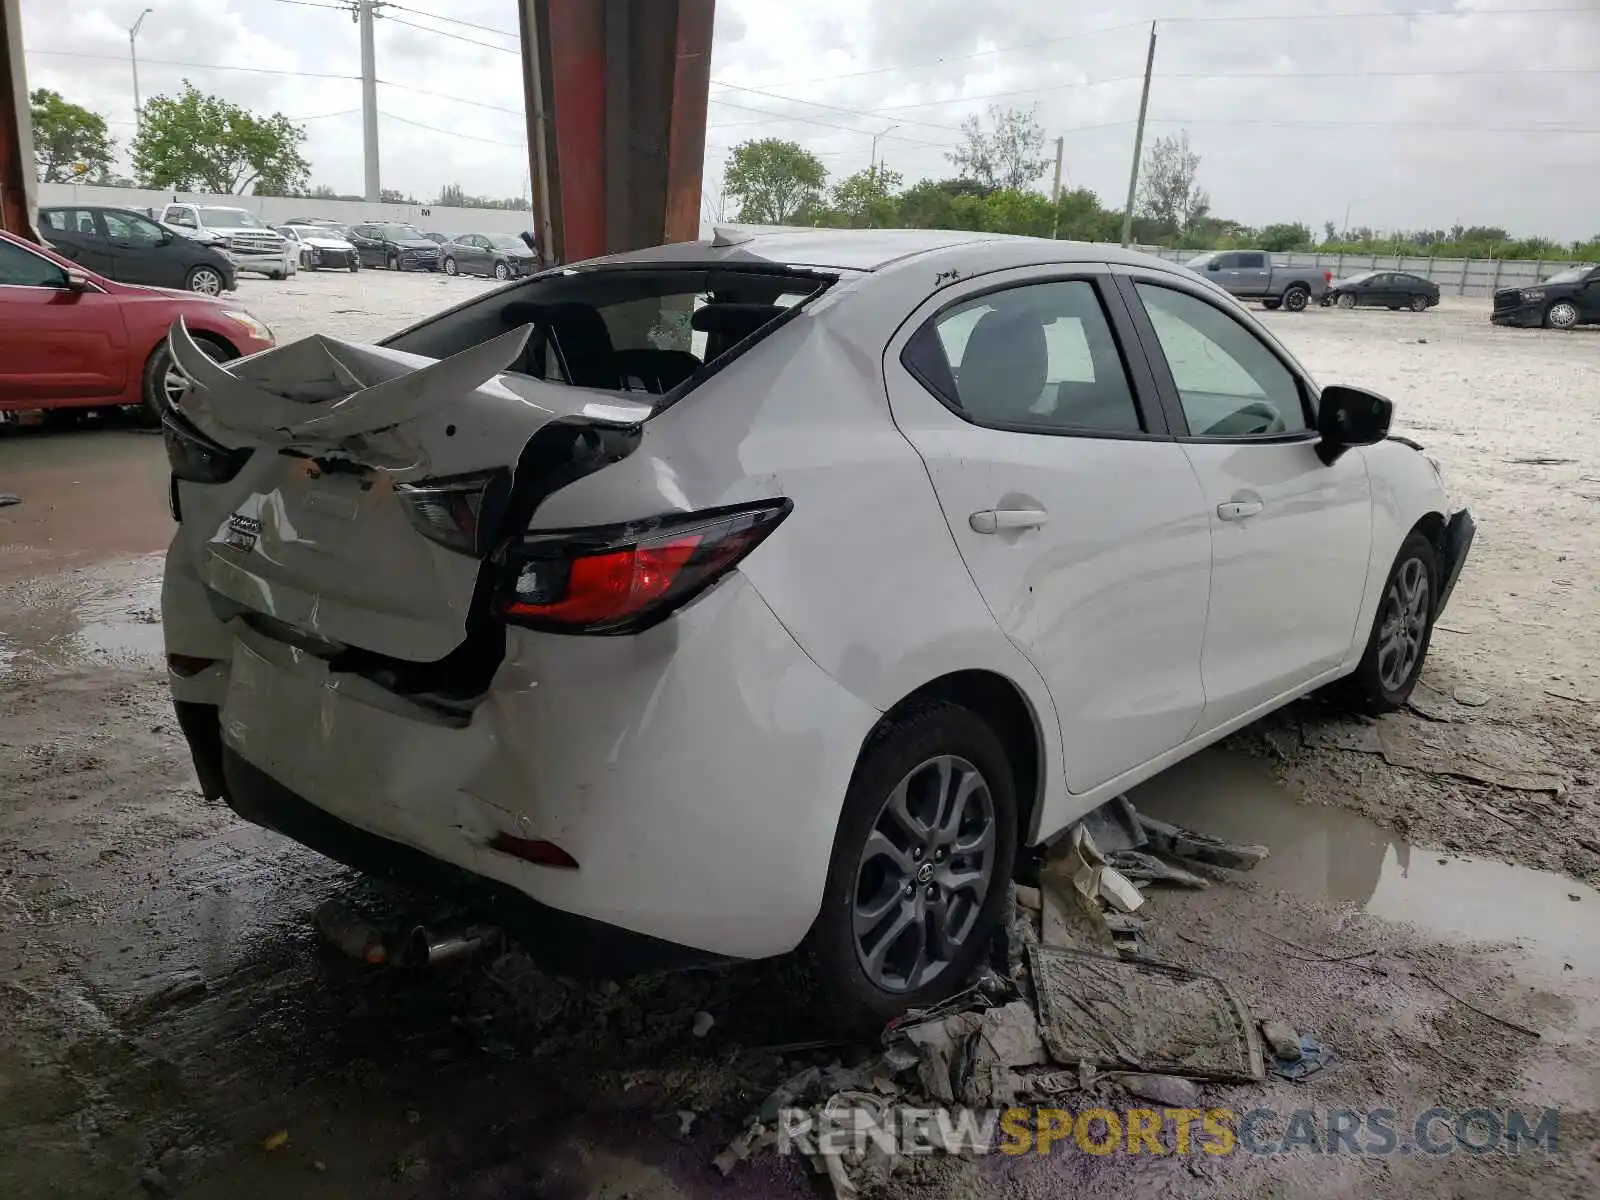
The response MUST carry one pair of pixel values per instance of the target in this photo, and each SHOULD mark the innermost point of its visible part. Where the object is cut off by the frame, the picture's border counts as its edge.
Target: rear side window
(70, 220)
(1252, 260)
(1036, 358)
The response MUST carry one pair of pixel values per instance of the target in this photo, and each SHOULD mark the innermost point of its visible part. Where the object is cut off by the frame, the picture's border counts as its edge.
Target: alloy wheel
(449, 266)
(1404, 625)
(174, 383)
(1563, 314)
(501, 271)
(1346, 300)
(924, 873)
(206, 281)
(1419, 303)
(1295, 299)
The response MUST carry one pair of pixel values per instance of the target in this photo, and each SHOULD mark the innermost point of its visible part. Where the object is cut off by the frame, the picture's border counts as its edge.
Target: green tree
(1284, 237)
(1079, 217)
(1169, 193)
(867, 198)
(1013, 211)
(1008, 158)
(69, 141)
(196, 142)
(774, 180)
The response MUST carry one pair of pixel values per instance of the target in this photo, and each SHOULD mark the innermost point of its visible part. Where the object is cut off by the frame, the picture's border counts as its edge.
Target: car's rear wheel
(1295, 297)
(917, 881)
(501, 271)
(450, 267)
(1401, 630)
(1272, 305)
(1345, 300)
(164, 383)
(1419, 304)
(1563, 314)
(355, 264)
(205, 280)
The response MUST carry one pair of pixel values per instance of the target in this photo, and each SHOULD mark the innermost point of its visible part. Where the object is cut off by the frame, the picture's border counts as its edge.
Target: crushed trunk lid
(380, 482)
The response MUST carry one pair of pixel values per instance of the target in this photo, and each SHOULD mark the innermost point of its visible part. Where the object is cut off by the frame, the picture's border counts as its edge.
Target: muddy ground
(166, 1013)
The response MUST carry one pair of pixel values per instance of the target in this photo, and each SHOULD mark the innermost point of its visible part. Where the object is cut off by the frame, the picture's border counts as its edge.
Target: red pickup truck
(72, 339)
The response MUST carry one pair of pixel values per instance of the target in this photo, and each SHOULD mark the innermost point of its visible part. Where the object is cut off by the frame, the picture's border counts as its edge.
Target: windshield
(504, 241)
(399, 233)
(1569, 276)
(236, 218)
(1359, 276)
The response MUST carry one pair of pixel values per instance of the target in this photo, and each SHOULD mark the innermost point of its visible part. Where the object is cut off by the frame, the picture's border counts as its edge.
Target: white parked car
(736, 596)
(317, 246)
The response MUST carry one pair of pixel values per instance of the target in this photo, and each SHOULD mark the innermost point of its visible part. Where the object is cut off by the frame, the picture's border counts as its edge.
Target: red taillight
(459, 513)
(622, 579)
(1327, 277)
(535, 850)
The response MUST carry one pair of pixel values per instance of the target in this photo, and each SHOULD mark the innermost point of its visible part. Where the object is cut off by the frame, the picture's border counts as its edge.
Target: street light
(133, 57)
(875, 137)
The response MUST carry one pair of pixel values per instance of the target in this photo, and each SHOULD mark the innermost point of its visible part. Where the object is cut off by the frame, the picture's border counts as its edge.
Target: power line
(338, 8)
(417, 12)
(778, 117)
(450, 132)
(407, 87)
(455, 37)
(167, 62)
(1462, 125)
(834, 107)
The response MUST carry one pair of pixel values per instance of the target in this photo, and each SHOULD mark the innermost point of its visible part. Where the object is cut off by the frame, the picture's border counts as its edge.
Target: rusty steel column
(616, 94)
(17, 184)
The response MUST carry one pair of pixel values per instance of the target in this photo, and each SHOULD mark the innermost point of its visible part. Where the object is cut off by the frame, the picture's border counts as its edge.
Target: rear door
(477, 253)
(1290, 537)
(55, 344)
(142, 252)
(1080, 518)
(76, 234)
(1588, 298)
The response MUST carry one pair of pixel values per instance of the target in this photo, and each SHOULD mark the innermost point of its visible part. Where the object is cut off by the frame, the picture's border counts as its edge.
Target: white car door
(1290, 536)
(1078, 515)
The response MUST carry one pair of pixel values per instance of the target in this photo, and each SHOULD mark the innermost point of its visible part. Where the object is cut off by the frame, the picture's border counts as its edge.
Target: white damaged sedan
(774, 591)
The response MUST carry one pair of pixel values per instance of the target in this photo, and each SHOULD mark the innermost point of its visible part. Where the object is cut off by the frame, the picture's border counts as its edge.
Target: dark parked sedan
(1383, 289)
(503, 255)
(1564, 301)
(398, 247)
(130, 248)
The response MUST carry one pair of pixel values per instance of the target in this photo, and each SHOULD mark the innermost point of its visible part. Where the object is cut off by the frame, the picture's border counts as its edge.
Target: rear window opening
(660, 331)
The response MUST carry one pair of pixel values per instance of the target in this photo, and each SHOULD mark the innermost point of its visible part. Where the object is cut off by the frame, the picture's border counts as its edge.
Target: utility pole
(1055, 192)
(1138, 139)
(873, 166)
(133, 58)
(366, 10)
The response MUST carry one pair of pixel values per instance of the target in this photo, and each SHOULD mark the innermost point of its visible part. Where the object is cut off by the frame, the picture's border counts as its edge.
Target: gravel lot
(490, 1080)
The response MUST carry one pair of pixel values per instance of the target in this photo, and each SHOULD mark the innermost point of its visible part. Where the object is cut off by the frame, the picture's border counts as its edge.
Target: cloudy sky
(1470, 111)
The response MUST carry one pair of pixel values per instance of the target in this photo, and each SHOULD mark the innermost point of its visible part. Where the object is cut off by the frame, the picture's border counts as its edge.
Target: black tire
(200, 278)
(851, 998)
(1368, 689)
(1562, 314)
(1346, 300)
(501, 271)
(157, 366)
(394, 262)
(1295, 297)
(450, 267)
(1419, 304)
(1272, 305)
(355, 265)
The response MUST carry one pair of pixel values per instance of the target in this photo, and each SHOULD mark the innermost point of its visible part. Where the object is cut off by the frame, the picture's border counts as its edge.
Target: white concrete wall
(274, 210)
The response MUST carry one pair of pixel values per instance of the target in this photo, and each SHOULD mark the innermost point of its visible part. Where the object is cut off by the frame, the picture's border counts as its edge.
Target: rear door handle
(1239, 510)
(993, 520)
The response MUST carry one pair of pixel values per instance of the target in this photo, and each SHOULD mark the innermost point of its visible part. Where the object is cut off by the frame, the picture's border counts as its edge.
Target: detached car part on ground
(72, 340)
(1564, 301)
(723, 598)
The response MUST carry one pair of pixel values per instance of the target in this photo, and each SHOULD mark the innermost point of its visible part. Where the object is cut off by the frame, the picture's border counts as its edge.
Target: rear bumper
(1454, 548)
(695, 771)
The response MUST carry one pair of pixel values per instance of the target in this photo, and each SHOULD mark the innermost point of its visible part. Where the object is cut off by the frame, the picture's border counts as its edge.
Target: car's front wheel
(921, 859)
(205, 280)
(450, 267)
(1295, 297)
(1401, 630)
(163, 383)
(1345, 300)
(501, 271)
(1563, 314)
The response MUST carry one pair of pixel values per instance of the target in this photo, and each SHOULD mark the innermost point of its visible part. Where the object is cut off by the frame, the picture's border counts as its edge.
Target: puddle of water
(1326, 853)
(108, 614)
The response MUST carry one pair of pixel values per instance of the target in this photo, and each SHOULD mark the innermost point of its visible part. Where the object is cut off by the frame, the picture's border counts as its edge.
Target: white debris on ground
(1077, 1009)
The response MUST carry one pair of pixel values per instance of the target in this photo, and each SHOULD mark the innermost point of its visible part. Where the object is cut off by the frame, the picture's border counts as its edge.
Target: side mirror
(77, 281)
(166, 238)
(1349, 416)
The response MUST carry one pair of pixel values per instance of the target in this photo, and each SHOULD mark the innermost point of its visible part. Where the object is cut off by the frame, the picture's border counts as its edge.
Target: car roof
(857, 249)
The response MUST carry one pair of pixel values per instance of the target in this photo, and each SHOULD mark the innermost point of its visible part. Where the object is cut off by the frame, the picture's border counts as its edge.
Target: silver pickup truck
(1250, 275)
